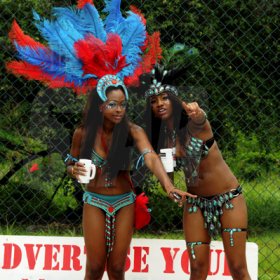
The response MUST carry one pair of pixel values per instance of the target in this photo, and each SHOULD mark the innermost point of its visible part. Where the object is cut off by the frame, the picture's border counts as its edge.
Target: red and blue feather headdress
(82, 49)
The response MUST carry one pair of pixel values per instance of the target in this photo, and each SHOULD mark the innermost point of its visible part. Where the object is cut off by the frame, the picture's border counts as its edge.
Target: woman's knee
(116, 269)
(94, 272)
(116, 272)
(239, 271)
(199, 270)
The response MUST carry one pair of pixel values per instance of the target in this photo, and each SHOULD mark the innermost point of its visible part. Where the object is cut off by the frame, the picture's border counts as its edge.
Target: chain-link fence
(235, 76)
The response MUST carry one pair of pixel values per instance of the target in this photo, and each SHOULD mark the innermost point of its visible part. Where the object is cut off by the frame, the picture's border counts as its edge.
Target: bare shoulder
(78, 134)
(76, 141)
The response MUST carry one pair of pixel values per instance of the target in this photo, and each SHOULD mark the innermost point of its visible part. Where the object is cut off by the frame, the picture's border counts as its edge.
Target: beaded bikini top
(195, 150)
(101, 162)
(97, 159)
(199, 147)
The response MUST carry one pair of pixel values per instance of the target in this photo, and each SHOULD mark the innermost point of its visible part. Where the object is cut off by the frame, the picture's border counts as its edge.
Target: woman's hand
(78, 169)
(195, 113)
(179, 196)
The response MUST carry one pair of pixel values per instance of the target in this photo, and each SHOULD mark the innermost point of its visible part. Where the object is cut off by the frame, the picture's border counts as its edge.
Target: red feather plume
(16, 34)
(150, 58)
(82, 3)
(32, 72)
(101, 58)
(142, 215)
(138, 12)
(154, 51)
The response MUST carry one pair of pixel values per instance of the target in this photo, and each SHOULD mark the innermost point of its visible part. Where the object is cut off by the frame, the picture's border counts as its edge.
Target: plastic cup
(166, 156)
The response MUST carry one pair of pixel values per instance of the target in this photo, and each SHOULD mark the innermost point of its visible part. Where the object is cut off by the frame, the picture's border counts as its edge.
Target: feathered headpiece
(82, 49)
(161, 79)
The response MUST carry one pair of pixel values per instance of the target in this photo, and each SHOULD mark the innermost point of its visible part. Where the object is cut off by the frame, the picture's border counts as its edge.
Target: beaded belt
(211, 208)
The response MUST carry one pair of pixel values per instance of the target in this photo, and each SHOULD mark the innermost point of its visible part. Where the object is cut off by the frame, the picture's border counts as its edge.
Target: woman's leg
(124, 227)
(94, 235)
(198, 243)
(234, 233)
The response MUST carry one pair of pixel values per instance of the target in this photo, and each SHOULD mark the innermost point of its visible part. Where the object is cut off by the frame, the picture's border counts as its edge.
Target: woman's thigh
(94, 235)
(198, 240)
(233, 221)
(193, 224)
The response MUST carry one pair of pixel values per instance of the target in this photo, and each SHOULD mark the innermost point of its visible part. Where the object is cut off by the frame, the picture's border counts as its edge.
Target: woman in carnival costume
(219, 207)
(101, 57)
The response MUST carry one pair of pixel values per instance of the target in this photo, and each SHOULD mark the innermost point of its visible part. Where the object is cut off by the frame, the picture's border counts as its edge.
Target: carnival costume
(84, 52)
(195, 151)
(110, 205)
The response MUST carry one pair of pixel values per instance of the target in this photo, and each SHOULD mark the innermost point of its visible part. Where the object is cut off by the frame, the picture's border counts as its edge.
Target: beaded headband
(158, 85)
(109, 81)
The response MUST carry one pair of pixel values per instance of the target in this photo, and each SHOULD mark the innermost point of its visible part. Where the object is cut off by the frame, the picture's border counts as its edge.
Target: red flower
(34, 167)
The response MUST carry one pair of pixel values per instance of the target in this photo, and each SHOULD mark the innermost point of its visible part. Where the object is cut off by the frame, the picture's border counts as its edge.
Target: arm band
(202, 122)
(69, 157)
(140, 160)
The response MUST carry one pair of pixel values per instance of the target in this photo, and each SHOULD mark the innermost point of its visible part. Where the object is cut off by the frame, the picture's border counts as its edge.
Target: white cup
(90, 173)
(166, 156)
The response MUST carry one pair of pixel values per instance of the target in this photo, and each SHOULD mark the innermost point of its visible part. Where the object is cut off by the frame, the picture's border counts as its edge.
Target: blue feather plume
(51, 63)
(114, 18)
(85, 20)
(72, 15)
(73, 24)
(47, 60)
(92, 18)
(133, 35)
(60, 35)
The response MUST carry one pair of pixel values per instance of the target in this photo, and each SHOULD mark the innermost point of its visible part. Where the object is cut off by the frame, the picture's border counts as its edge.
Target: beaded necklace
(173, 135)
(101, 162)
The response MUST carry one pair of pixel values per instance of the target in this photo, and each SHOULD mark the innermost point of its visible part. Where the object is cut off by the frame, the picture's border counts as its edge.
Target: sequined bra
(97, 159)
(195, 150)
(101, 162)
(198, 148)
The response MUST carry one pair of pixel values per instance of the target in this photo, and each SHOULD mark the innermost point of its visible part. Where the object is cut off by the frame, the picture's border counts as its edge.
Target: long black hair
(120, 150)
(156, 128)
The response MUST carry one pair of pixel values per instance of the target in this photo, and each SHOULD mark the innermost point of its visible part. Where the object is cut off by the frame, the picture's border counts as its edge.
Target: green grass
(52, 229)
(269, 255)
(263, 200)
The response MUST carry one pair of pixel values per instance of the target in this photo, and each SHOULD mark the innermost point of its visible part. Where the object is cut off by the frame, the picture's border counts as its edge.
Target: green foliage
(39, 196)
(250, 160)
(263, 200)
(28, 204)
(56, 113)
(262, 196)
(28, 144)
(237, 62)
(22, 12)
(15, 147)
(165, 213)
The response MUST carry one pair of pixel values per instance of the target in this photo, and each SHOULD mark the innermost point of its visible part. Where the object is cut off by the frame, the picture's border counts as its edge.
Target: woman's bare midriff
(215, 177)
(120, 184)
